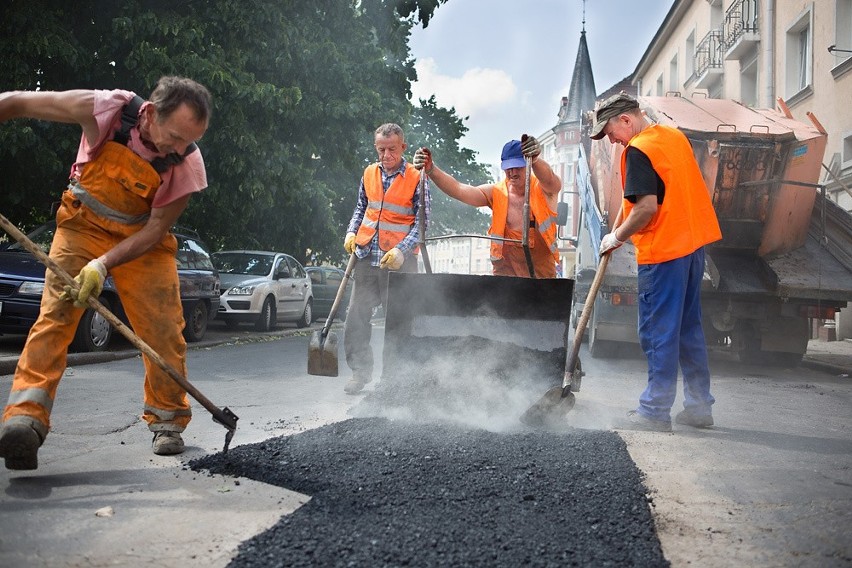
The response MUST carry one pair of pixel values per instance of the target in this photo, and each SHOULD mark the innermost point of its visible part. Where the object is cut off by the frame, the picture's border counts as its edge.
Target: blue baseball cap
(512, 157)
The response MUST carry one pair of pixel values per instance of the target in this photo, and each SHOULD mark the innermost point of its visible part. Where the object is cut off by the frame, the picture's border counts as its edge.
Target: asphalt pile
(400, 493)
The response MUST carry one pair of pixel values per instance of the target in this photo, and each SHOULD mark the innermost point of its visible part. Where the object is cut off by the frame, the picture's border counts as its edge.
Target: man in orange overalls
(136, 168)
(506, 200)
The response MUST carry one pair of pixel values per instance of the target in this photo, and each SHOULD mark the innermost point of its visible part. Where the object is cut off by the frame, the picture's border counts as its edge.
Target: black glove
(530, 147)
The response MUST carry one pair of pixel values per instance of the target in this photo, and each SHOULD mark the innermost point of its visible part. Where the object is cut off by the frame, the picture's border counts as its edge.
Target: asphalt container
(460, 341)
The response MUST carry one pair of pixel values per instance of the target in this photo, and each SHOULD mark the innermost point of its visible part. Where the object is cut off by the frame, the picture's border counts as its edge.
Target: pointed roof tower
(582, 94)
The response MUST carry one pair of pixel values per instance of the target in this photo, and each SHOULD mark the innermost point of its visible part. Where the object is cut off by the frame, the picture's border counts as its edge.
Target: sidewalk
(833, 357)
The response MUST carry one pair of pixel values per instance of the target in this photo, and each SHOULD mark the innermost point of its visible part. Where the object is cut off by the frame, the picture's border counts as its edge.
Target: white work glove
(349, 243)
(610, 242)
(423, 160)
(91, 281)
(392, 260)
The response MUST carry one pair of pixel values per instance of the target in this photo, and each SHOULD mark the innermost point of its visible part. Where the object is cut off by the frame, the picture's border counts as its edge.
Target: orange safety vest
(391, 212)
(544, 216)
(686, 220)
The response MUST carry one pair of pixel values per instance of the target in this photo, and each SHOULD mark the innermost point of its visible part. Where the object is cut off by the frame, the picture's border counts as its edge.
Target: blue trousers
(670, 334)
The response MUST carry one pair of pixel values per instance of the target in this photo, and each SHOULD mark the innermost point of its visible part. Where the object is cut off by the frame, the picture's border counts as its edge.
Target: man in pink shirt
(136, 168)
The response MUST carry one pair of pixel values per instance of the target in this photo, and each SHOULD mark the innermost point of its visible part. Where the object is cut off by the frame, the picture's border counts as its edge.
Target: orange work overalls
(110, 202)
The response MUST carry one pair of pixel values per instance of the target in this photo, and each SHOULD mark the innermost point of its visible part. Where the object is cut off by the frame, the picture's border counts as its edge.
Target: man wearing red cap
(506, 200)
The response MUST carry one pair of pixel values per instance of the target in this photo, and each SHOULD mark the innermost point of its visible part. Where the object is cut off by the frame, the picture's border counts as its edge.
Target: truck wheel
(94, 332)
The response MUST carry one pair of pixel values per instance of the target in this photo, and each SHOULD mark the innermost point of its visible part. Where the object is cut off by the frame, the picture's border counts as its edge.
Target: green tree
(298, 89)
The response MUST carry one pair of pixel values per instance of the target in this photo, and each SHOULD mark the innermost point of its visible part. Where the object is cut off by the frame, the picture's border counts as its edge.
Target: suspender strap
(129, 118)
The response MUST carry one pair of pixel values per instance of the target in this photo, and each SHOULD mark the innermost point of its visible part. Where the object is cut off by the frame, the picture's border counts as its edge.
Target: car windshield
(42, 236)
(243, 263)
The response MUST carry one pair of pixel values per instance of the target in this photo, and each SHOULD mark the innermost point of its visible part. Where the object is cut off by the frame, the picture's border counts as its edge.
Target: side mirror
(561, 213)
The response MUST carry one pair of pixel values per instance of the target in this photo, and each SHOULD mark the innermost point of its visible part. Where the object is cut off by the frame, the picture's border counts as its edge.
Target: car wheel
(196, 322)
(266, 320)
(94, 332)
(307, 316)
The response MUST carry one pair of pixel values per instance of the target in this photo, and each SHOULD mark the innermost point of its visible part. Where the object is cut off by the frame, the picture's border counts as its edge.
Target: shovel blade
(550, 410)
(322, 355)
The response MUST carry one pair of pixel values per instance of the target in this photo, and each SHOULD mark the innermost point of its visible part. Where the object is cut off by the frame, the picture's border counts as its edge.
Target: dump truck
(784, 257)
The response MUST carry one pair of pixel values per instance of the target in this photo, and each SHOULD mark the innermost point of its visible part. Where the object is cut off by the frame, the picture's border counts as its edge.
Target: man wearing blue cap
(506, 200)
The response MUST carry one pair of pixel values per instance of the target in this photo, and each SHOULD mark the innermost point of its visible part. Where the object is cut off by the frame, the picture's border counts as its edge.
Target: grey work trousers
(370, 289)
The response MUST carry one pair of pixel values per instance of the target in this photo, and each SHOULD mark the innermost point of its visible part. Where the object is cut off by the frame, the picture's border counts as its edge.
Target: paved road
(770, 485)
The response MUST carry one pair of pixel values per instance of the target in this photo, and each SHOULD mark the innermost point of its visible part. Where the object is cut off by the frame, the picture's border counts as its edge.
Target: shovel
(558, 401)
(322, 349)
(221, 415)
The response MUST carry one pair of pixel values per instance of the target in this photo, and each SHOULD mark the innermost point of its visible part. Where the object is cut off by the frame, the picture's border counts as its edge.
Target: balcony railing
(709, 58)
(741, 27)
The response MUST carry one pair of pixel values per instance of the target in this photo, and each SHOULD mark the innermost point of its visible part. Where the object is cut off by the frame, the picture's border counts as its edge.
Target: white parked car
(263, 287)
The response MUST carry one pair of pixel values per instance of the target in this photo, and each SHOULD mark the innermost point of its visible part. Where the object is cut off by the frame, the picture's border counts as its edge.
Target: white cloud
(478, 91)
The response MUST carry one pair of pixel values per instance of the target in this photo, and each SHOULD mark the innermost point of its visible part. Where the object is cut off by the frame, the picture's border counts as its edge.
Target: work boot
(356, 384)
(635, 421)
(19, 444)
(687, 418)
(167, 443)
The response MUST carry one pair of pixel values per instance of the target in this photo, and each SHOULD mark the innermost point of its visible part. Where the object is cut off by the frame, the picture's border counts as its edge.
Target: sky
(507, 64)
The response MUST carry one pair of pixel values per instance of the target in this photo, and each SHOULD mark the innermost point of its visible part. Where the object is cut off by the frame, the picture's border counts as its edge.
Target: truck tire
(747, 340)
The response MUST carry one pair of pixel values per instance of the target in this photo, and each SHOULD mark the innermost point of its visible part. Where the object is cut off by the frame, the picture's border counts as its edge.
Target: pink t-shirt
(187, 177)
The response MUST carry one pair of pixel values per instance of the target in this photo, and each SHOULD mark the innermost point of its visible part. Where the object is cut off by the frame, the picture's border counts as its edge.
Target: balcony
(741, 29)
(708, 59)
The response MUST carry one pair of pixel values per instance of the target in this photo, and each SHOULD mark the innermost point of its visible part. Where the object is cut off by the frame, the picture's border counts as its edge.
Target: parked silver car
(263, 287)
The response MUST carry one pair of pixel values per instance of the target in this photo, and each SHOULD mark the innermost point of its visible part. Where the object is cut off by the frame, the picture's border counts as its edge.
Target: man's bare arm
(472, 195)
(71, 107)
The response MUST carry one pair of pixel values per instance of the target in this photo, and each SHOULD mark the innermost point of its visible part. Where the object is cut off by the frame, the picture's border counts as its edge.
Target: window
(659, 92)
(846, 151)
(673, 77)
(689, 55)
(842, 60)
(798, 55)
(748, 80)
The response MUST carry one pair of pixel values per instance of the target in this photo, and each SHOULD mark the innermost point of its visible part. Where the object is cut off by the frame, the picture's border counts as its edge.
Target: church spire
(582, 95)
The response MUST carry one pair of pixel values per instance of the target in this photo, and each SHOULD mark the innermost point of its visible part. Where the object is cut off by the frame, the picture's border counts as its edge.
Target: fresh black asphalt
(395, 493)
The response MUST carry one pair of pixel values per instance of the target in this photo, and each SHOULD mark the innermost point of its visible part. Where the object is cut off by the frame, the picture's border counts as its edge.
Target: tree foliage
(298, 89)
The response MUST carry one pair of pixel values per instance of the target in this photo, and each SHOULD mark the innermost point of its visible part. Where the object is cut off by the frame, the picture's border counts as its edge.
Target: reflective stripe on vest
(686, 220)
(543, 215)
(390, 213)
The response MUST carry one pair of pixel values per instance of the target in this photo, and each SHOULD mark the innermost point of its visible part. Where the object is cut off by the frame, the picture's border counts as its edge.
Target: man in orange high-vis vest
(506, 200)
(136, 168)
(669, 216)
(383, 234)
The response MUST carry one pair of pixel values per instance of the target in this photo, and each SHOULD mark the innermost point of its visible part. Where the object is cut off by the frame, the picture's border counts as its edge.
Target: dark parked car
(22, 282)
(326, 281)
